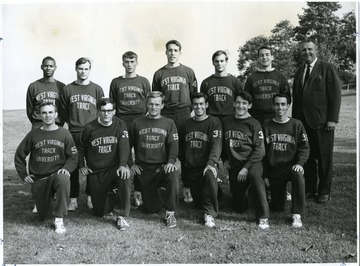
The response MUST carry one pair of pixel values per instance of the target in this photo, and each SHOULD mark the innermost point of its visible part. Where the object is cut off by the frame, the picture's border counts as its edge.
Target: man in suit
(317, 98)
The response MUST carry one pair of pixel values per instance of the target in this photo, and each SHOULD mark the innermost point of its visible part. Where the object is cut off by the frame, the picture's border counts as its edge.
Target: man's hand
(64, 172)
(242, 176)
(330, 126)
(212, 169)
(170, 167)
(298, 168)
(136, 169)
(123, 172)
(28, 179)
(85, 171)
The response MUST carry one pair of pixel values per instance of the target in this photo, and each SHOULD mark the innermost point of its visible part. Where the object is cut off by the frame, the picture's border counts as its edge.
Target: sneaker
(89, 203)
(187, 195)
(170, 221)
(209, 221)
(73, 205)
(296, 221)
(263, 223)
(288, 196)
(138, 198)
(34, 210)
(121, 224)
(59, 227)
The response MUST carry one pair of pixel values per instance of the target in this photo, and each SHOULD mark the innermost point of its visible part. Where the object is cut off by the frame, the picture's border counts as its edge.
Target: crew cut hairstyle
(177, 43)
(129, 54)
(104, 101)
(46, 104)
(245, 95)
(48, 58)
(155, 94)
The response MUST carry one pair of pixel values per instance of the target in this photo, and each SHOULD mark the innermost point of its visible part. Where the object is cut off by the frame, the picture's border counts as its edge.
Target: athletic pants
(43, 191)
(74, 176)
(238, 190)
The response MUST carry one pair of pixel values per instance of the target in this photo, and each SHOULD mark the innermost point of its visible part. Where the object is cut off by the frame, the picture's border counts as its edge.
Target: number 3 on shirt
(216, 133)
(261, 135)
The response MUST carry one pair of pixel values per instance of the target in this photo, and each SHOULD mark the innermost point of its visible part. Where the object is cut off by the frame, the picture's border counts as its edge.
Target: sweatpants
(203, 188)
(151, 179)
(107, 189)
(74, 176)
(44, 190)
(239, 190)
(278, 183)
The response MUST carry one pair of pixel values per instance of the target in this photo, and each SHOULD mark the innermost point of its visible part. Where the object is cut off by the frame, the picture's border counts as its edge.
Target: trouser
(154, 178)
(278, 183)
(74, 176)
(238, 190)
(107, 189)
(44, 190)
(203, 188)
(319, 166)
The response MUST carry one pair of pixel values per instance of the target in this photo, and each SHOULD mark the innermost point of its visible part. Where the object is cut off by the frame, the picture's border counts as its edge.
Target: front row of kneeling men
(280, 148)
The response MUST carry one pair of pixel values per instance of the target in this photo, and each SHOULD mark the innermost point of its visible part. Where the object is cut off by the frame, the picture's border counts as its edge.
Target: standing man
(78, 104)
(242, 154)
(129, 93)
(155, 141)
(200, 150)
(317, 99)
(104, 144)
(53, 155)
(46, 89)
(287, 150)
(178, 84)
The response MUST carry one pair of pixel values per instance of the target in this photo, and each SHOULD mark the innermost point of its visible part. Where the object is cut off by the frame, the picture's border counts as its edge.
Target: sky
(104, 31)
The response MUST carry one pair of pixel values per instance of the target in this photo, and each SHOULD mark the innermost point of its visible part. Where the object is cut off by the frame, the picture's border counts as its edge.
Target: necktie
(307, 74)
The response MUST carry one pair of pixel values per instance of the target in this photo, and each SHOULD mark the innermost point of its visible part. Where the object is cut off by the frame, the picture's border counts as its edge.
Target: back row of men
(316, 95)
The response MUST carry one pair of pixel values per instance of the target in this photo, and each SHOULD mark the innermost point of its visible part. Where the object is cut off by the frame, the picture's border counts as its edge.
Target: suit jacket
(321, 95)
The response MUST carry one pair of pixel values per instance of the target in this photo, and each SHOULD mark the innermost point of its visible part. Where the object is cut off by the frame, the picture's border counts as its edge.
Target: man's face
(154, 106)
(83, 71)
(130, 65)
(308, 52)
(241, 106)
(199, 105)
(107, 113)
(173, 53)
(220, 63)
(48, 114)
(48, 68)
(280, 106)
(265, 58)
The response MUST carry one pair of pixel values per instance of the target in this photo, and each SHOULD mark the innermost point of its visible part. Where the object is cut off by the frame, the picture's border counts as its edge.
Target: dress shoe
(323, 198)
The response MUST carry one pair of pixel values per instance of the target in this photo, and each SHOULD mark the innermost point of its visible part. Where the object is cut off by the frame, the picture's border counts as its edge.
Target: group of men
(149, 133)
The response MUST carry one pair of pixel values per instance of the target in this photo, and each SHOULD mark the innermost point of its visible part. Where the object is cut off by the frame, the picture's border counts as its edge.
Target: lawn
(329, 234)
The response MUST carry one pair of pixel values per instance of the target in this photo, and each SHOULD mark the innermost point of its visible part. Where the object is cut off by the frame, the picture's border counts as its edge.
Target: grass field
(329, 233)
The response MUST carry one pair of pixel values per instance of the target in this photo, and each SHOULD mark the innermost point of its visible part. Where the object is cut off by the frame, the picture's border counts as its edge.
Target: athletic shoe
(296, 221)
(263, 223)
(138, 198)
(187, 195)
(170, 220)
(35, 209)
(89, 203)
(73, 205)
(288, 196)
(323, 198)
(209, 220)
(59, 227)
(121, 224)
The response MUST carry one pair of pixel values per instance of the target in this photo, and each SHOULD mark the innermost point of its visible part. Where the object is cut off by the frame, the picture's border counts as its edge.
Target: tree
(346, 48)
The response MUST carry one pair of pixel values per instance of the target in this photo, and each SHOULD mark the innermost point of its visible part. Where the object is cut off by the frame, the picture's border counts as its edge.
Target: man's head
(130, 62)
(173, 51)
(48, 113)
(48, 66)
(106, 107)
(200, 104)
(242, 103)
(154, 103)
(82, 68)
(265, 57)
(308, 51)
(281, 103)
(220, 60)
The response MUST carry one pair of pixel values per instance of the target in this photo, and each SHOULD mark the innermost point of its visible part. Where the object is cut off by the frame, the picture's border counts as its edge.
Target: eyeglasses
(106, 111)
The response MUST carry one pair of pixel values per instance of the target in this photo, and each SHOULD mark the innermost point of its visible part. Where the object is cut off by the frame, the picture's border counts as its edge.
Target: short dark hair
(308, 40)
(283, 95)
(105, 101)
(267, 47)
(48, 58)
(218, 53)
(245, 95)
(177, 43)
(198, 95)
(130, 55)
(155, 94)
(46, 104)
(82, 60)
